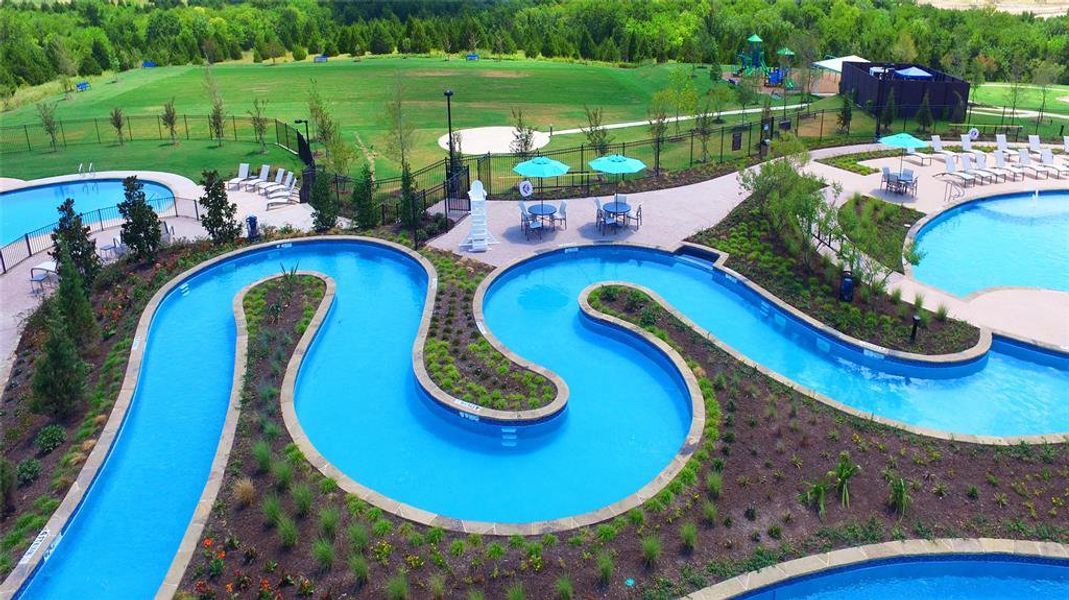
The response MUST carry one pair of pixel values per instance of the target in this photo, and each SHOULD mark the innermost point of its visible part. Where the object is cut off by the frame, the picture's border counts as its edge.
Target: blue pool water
(25, 210)
(359, 403)
(1011, 240)
(946, 578)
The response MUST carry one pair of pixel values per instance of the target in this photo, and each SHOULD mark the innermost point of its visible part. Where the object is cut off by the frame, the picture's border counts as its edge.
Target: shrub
(323, 551)
(302, 499)
(814, 495)
(688, 533)
(328, 521)
(261, 452)
(358, 538)
(896, 296)
(651, 550)
(457, 548)
(381, 527)
(397, 587)
(7, 484)
(358, 567)
(709, 512)
(714, 483)
(58, 384)
(436, 586)
(299, 53)
(515, 592)
(564, 588)
(283, 473)
(476, 595)
(244, 492)
(272, 509)
(495, 551)
(435, 535)
(605, 568)
(918, 301)
(941, 312)
(287, 532)
(28, 471)
(49, 438)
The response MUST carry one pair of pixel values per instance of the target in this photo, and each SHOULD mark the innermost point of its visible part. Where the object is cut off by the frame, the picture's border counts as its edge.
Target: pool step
(508, 437)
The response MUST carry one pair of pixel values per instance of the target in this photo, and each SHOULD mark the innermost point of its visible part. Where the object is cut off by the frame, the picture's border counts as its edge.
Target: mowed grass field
(357, 92)
(1031, 97)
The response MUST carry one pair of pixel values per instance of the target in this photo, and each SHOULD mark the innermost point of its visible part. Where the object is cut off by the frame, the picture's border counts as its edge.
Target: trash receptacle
(846, 287)
(251, 231)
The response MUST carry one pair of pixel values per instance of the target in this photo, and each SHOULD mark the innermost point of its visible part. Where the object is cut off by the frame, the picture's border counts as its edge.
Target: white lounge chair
(1034, 144)
(983, 175)
(1065, 148)
(1001, 144)
(981, 164)
(1024, 159)
(1046, 159)
(251, 182)
(912, 152)
(283, 192)
(952, 170)
(274, 187)
(1000, 163)
(937, 147)
(279, 175)
(243, 174)
(966, 143)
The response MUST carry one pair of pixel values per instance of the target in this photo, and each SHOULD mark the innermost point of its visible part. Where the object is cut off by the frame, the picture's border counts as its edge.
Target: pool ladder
(508, 437)
(953, 192)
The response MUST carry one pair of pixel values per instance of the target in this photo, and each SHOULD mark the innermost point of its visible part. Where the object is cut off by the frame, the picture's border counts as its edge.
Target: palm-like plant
(841, 475)
(900, 498)
(814, 495)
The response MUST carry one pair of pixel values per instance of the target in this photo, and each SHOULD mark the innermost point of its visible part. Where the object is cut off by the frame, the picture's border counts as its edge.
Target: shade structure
(541, 166)
(904, 141)
(617, 164)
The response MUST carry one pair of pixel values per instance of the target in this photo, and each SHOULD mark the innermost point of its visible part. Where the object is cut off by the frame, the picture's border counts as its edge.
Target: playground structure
(752, 63)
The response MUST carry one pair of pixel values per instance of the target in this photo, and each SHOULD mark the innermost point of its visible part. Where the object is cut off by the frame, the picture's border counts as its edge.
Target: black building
(873, 82)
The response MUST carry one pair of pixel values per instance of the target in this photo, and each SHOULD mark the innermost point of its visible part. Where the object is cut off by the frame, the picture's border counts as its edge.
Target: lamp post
(449, 120)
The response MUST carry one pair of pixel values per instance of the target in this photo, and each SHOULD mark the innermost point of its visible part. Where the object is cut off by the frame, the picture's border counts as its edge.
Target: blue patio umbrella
(617, 164)
(904, 141)
(541, 167)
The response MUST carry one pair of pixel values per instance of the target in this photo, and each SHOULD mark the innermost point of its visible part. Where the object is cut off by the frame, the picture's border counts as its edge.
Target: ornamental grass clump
(302, 499)
(287, 532)
(651, 550)
(359, 568)
(323, 551)
(328, 521)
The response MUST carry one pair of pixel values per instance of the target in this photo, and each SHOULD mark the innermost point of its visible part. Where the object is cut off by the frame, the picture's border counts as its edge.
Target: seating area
(277, 188)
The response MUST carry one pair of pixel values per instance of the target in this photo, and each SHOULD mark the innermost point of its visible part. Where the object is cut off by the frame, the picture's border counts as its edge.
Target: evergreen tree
(324, 205)
(218, 218)
(73, 303)
(846, 113)
(7, 485)
(364, 199)
(410, 212)
(924, 114)
(71, 236)
(889, 112)
(58, 384)
(141, 224)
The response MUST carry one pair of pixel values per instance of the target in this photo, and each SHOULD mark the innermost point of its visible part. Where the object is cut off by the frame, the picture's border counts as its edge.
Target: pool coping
(201, 514)
(424, 517)
(815, 564)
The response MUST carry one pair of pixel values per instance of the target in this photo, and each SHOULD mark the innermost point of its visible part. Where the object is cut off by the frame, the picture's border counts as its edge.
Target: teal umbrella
(541, 167)
(904, 141)
(617, 164)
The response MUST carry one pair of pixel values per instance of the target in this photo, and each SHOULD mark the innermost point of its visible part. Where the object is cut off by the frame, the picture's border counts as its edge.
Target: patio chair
(1024, 159)
(966, 143)
(981, 163)
(635, 218)
(243, 174)
(1000, 163)
(885, 179)
(263, 185)
(274, 187)
(1000, 143)
(952, 171)
(1034, 144)
(937, 147)
(265, 170)
(562, 215)
(283, 192)
(908, 181)
(1046, 159)
(912, 152)
(529, 223)
(967, 167)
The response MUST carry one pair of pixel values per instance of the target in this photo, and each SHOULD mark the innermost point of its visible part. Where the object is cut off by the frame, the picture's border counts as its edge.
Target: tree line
(50, 40)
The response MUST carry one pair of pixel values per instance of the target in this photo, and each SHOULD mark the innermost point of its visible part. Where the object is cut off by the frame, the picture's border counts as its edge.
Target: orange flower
(222, 554)
(207, 542)
(230, 588)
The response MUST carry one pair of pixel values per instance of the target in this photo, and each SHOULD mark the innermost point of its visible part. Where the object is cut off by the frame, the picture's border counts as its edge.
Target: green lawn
(550, 93)
(1031, 98)
(188, 158)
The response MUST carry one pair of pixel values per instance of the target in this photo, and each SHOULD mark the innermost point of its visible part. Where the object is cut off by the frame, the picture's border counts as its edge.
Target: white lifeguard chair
(479, 237)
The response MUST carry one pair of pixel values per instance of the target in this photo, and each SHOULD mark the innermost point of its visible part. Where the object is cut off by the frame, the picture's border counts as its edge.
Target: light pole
(449, 121)
(305, 121)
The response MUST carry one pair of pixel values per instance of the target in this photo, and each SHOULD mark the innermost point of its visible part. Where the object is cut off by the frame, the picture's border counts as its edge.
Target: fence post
(722, 145)
(3, 264)
(159, 125)
(185, 119)
(97, 125)
(26, 130)
(234, 125)
(691, 163)
(820, 136)
(129, 130)
(63, 132)
(26, 238)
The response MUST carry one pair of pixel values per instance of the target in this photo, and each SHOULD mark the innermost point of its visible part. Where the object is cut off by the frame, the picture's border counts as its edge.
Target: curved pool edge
(932, 217)
(202, 512)
(180, 185)
(816, 565)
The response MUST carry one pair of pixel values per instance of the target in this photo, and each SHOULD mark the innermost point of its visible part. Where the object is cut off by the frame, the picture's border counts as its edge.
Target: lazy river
(1019, 240)
(359, 403)
(945, 577)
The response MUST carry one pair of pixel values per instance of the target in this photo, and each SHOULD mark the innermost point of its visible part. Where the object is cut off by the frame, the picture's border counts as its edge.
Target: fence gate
(484, 167)
(457, 186)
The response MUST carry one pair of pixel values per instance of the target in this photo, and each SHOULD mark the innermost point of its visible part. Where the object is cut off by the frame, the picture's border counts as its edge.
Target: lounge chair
(1001, 164)
(562, 215)
(912, 152)
(967, 167)
(937, 147)
(283, 192)
(274, 187)
(1034, 144)
(1065, 147)
(952, 171)
(243, 174)
(1000, 143)
(1024, 159)
(981, 163)
(263, 185)
(251, 182)
(966, 143)
(1046, 159)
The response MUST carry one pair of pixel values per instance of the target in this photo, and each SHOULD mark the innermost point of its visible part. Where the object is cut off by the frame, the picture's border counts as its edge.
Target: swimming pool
(964, 577)
(1009, 240)
(360, 405)
(27, 209)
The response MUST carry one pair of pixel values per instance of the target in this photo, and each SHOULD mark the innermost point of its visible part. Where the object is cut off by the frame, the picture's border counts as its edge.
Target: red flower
(222, 554)
(207, 542)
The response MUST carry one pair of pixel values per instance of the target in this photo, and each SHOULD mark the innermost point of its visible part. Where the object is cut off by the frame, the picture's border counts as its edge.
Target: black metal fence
(102, 219)
(71, 132)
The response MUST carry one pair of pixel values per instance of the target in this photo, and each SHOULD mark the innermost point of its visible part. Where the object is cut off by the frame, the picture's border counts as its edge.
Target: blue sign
(148, 64)
(322, 58)
(83, 85)
(473, 57)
